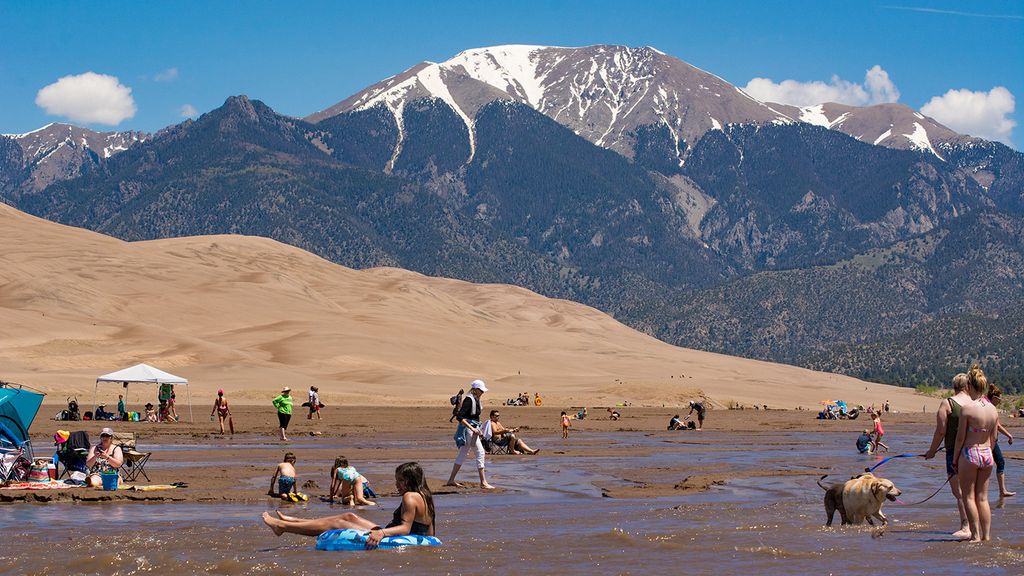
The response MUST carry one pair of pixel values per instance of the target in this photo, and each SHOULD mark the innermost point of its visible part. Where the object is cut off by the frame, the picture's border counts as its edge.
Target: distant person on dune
(283, 403)
(947, 419)
(469, 433)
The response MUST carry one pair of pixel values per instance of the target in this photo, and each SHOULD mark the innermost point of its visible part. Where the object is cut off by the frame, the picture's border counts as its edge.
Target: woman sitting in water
(414, 516)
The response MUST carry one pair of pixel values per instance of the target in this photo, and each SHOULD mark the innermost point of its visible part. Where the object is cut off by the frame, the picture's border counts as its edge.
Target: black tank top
(418, 529)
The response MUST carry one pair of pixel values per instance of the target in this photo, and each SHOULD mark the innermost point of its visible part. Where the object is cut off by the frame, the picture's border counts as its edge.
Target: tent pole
(96, 394)
(188, 394)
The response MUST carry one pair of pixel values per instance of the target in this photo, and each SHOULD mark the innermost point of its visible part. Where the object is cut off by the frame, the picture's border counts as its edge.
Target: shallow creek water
(552, 519)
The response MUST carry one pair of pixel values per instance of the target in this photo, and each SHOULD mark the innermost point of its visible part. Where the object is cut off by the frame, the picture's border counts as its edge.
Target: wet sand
(623, 497)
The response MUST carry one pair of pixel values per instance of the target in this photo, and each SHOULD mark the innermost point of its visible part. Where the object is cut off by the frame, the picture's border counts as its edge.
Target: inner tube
(349, 539)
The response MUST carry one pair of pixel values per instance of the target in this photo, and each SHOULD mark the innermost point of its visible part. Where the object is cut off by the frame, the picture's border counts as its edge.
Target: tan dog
(864, 495)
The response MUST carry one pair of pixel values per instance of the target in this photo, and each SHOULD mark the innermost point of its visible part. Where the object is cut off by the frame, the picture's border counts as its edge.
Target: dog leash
(872, 469)
(937, 490)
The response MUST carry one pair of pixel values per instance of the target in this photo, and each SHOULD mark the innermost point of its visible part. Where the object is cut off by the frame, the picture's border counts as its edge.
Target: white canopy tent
(144, 374)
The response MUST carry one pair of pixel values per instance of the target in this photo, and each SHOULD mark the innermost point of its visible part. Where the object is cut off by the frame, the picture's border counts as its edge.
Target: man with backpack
(456, 403)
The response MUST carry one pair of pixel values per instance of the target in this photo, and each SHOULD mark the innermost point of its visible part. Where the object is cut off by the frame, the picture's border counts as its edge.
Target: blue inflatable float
(350, 539)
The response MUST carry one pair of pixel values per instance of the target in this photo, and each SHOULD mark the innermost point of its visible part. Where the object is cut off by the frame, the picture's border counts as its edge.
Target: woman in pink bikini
(972, 458)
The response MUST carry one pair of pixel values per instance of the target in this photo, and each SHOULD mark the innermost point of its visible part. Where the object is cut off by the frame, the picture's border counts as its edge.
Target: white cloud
(166, 75)
(982, 114)
(188, 111)
(876, 89)
(90, 97)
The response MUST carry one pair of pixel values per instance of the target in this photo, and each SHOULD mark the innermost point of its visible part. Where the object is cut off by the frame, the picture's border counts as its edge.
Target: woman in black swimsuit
(414, 516)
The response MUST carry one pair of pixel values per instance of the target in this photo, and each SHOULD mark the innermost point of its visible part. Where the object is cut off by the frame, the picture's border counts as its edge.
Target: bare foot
(962, 534)
(488, 487)
(287, 517)
(537, 451)
(1007, 494)
(269, 521)
(367, 503)
(456, 484)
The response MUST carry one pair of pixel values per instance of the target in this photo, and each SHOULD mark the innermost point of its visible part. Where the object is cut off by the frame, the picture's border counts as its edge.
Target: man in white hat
(283, 403)
(469, 434)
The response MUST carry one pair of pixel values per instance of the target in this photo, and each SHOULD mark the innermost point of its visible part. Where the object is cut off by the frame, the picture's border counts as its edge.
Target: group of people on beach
(415, 514)
(967, 423)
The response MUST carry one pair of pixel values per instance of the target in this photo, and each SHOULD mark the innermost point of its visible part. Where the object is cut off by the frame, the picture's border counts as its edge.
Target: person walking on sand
(947, 419)
(314, 403)
(972, 458)
(995, 397)
(283, 403)
(565, 425)
(700, 408)
(220, 408)
(469, 433)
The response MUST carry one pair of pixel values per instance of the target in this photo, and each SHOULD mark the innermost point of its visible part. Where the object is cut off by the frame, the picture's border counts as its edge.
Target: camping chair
(134, 461)
(73, 454)
(493, 447)
(14, 464)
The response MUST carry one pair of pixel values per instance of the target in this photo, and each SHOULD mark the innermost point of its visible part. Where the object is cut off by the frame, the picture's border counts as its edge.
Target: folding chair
(72, 454)
(493, 447)
(134, 461)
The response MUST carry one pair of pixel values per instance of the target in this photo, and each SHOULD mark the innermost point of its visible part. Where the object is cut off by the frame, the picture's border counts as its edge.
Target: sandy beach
(746, 482)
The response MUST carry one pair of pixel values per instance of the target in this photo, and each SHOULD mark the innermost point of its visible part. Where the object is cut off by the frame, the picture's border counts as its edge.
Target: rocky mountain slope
(58, 152)
(735, 235)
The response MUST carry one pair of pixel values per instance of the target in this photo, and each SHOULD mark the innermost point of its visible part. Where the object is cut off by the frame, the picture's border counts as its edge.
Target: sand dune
(251, 315)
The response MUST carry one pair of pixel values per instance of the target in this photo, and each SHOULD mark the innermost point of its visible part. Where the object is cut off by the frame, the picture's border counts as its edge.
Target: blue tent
(18, 409)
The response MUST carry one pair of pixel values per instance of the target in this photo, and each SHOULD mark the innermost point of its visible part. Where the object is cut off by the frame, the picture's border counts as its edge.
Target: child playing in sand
(150, 413)
(285, 476)
(347, 483)
(565, 425)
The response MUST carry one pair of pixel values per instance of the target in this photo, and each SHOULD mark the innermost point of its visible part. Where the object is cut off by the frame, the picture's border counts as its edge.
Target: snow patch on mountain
(919, 139)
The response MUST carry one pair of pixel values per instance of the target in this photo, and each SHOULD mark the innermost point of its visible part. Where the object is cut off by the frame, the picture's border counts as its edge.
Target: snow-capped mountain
(603, 93)
(890, 125)
(617, 96)
(59, 151)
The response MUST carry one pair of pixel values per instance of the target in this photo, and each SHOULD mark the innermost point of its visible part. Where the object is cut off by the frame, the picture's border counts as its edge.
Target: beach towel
(52, 485)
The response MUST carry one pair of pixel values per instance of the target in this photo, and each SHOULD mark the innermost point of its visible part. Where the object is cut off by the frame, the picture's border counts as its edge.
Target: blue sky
(300, 57)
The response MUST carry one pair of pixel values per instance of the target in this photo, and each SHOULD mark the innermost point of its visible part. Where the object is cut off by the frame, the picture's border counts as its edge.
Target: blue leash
(872, 469)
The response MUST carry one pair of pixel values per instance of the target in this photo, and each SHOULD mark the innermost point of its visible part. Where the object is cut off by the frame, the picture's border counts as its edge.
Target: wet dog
(858, 499)
(864, 495)
(834, 501)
